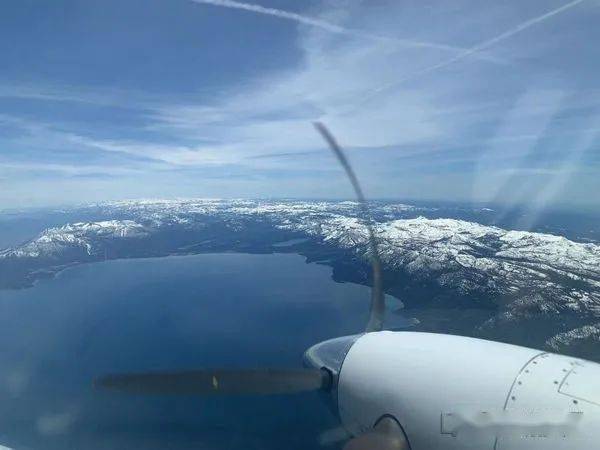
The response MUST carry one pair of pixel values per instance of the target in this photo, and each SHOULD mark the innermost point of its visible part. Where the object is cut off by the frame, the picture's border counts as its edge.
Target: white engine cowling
(453, 392)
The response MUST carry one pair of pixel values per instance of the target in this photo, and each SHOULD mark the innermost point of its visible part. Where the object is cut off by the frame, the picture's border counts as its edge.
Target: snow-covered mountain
(517, 278)
(54, 241)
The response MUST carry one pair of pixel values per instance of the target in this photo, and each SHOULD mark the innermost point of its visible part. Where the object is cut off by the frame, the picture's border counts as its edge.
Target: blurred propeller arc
(377, 312)
(261, 381)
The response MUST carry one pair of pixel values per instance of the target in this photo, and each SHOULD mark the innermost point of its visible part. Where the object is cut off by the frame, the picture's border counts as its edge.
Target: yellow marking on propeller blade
(215, 383)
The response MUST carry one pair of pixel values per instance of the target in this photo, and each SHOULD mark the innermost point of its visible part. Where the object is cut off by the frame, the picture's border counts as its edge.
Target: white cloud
(487, 106)
(274, 113)
(472, 51)
(332, 27)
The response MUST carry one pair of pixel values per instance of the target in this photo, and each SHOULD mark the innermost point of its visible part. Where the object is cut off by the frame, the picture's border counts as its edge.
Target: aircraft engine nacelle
(452, 392)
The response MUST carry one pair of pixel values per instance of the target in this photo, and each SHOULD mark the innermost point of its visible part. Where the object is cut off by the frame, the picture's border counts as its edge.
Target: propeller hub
(329, 355)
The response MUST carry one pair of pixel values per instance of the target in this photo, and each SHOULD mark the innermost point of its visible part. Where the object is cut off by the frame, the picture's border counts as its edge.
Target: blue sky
(464, 100)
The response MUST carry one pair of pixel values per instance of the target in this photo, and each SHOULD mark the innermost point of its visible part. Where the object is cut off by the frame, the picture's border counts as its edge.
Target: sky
(482, 101)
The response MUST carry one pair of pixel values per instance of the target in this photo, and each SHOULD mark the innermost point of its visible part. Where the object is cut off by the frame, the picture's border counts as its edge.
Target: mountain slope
(533, 287)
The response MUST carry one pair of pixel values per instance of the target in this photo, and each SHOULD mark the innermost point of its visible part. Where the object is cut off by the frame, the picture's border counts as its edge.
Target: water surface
(219, 310)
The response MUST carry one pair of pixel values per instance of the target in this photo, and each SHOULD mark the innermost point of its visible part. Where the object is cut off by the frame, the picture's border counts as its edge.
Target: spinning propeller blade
(387, 434)
(219, 382)
(377, 312)
(384, 436)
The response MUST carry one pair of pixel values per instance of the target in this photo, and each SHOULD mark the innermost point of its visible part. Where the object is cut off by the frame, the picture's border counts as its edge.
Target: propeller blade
(386, 435)
(219, 382)
(377, 311)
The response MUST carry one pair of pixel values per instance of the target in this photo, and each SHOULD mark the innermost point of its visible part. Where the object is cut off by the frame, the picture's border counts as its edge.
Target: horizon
(500, 208)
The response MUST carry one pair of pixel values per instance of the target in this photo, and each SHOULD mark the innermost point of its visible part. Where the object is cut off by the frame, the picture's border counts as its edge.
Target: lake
(216, 310)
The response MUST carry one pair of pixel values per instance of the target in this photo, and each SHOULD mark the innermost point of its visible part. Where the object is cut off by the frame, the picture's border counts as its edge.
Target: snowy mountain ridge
(526, 275)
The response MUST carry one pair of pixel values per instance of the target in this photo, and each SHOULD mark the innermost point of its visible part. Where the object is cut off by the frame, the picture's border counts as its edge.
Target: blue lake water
(220, 310)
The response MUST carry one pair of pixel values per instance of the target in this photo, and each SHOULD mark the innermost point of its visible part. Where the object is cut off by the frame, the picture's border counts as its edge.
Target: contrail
(330, 27)
(477, 48)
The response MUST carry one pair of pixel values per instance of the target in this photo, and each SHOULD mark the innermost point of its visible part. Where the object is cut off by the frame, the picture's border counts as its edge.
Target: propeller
(220, 382)
(258, 381)
(377, 310)
(387, 434)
